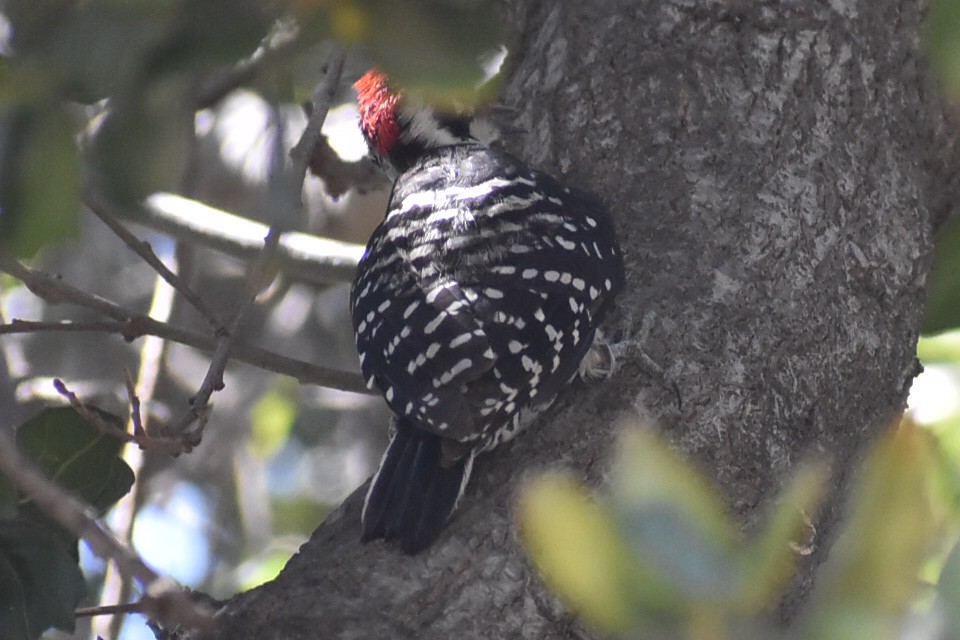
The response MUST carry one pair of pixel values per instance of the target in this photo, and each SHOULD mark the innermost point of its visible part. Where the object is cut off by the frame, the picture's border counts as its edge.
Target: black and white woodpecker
(476, 301)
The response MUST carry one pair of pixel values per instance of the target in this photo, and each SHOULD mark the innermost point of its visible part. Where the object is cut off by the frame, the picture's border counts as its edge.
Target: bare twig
(136, 420)
(321, 101)
(109, 609)
(135, 326)
(145, 251)
(92, 418)
(285, 189)
(116, 587)
(144, 441)
(166, 600)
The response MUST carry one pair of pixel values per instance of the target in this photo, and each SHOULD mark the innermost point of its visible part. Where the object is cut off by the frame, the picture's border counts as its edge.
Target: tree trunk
(775, 170)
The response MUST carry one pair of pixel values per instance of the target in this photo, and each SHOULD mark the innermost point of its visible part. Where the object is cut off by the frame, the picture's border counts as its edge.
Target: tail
(412, 495)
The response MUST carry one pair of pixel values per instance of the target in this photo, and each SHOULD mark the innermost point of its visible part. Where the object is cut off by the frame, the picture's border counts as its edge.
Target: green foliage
(943, 307)
(661, 555)
(78, 456)
(40, 581)
(271, 420)
(943, 43)
(429, 47)
(37, 146)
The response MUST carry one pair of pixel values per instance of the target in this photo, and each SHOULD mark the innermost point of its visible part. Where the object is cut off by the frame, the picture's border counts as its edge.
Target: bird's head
(399, 131)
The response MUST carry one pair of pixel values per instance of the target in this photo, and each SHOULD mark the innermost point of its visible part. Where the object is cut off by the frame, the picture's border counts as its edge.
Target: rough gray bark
(775, 169)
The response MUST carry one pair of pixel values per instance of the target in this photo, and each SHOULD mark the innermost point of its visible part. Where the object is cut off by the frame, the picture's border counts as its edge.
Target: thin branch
(320, 104)
(116, 587)
(144, 441)
(92, 418)
(145, 251)
(136, 419)
(166, 600)
(109, 609)
(135, 326)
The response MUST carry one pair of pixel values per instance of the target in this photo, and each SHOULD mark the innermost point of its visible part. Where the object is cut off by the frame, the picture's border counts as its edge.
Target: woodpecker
(476, 300)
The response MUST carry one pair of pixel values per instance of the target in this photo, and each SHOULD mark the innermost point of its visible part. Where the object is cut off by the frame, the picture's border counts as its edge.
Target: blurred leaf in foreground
(896, 519)
(40, 582)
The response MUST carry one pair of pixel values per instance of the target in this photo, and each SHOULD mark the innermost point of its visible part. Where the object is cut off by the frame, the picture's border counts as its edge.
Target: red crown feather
(378, 111)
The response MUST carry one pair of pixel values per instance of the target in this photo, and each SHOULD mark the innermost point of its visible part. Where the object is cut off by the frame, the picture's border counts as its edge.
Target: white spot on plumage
(551, 276)
(384, 306)
(461, 366)
(565, 278)
(410, 309)
(433, 324)
(433, 349)
(494, 294)
(569, 245)
(460, 340)
(515, 346)
(529, 273)
(579, 284)
(552, 333)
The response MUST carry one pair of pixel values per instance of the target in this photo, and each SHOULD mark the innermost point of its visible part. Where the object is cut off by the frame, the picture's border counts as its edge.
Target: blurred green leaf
(943, 306)
(76, 455)
(40, 583)
(272, 418)
(940, 349)
(673, 518)
(943, 43)
(103, 48)
(140, 146)
(297, 516)
(576, 548)
(430, 48)
(262, 569)
(948, 595)
(39, 186)
(895, 519)
(770, 560)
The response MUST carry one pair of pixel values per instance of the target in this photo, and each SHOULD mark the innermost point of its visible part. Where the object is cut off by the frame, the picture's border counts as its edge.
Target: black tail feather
(412, 495)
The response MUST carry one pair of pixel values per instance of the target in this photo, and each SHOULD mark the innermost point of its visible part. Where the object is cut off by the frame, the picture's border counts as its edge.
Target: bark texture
(775, 169)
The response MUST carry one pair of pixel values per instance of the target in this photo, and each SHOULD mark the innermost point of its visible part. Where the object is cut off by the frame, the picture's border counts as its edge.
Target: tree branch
(165, 601)
(299, 255)
(132, 326)
(145, 251)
